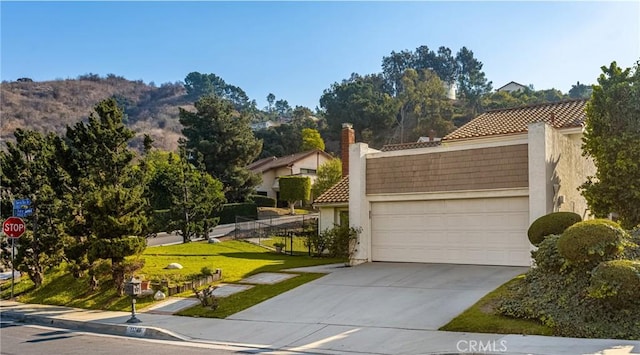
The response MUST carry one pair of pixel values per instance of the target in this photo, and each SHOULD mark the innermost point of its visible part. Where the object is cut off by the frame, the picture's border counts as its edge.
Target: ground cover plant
(585, 283)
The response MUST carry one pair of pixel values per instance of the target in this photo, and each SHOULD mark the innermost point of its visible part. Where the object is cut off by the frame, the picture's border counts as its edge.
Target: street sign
(22, 203)
(24, 212)
(13, 227)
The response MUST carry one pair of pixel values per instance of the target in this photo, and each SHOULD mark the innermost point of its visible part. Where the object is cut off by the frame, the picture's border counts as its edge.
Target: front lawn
(237, 260)
(482, 317)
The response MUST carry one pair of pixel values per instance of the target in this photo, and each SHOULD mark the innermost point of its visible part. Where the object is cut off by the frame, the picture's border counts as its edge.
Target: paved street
(36, 340)
(224, 229)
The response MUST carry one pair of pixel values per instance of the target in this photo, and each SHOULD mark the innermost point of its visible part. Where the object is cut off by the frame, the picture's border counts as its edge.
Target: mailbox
(133, 287)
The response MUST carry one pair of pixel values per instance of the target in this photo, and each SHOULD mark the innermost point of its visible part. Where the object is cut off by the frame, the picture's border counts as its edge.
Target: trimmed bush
(617, 281)
(263, 201)
(547, 256)
(591, 242)
(231, 210)
(552, 223)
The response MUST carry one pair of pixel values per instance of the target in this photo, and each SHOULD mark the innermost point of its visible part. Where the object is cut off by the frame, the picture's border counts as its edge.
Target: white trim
(449, 195)
(448, 146)
(332, 204)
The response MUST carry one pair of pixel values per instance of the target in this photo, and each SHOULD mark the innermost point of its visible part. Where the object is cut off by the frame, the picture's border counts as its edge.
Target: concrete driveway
(387, 295)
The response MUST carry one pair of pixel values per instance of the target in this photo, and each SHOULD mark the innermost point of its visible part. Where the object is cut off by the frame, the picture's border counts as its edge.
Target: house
(470, 198)
(511, 87)
(301, 164)
(263, 125)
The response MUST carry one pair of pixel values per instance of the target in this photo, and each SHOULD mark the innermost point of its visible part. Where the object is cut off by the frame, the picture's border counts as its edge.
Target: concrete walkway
(276, 326)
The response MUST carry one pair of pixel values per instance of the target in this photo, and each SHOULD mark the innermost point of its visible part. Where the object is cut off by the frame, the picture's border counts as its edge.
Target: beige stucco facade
(307, 166)
(541, 168)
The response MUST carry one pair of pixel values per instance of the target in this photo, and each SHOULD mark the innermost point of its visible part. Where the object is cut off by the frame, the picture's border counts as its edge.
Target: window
(343, 218)
(307, 171)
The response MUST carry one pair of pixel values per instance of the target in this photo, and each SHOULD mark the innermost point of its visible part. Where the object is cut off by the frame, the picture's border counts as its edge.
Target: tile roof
(265, 164)
(338, 193)
(412, 145)
(563, 114)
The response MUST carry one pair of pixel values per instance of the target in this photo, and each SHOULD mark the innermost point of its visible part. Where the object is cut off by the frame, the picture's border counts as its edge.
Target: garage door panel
(466, 231)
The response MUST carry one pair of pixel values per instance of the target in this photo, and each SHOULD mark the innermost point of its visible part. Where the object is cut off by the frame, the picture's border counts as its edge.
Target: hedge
(590, 242)
(231, 210)
(263, 201)
(617, 281)
(552, 223)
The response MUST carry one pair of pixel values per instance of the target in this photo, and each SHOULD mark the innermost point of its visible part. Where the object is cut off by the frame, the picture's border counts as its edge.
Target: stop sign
(13, 227)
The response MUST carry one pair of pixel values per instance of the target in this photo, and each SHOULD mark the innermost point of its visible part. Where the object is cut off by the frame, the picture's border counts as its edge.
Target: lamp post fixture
(133, 288)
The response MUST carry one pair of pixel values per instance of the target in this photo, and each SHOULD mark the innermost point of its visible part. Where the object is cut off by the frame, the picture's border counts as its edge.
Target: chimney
(347, 137)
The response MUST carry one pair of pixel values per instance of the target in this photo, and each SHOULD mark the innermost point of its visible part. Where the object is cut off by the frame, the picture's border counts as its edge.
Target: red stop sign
(13, 227)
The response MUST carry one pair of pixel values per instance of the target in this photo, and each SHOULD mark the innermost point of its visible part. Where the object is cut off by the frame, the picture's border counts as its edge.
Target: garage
(482, 231)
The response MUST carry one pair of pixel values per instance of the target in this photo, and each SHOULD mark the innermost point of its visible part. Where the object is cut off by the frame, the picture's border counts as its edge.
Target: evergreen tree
(226, 142)
(29, 170)
(612, 138)
(108, 206)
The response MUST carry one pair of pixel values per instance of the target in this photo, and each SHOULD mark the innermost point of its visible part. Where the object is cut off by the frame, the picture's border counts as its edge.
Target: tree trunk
(36, 276)
(117, 274)
(292, 205)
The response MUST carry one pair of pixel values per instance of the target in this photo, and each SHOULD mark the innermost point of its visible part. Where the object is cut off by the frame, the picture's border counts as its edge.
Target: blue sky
(297, 49)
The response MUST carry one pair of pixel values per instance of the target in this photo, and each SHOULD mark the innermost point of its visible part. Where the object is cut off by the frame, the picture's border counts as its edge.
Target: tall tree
(580, 91)
(28, 170)
(226, 142)
(196, 197)
(423, 105)
(472, 83)
(311, 139)
(271, 99)
(329, 174)
(393, 68)
(107, 196)
(612, 138)
(363, 102)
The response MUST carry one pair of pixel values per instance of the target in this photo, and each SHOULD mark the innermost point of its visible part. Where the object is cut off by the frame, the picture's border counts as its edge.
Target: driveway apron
(387, 295)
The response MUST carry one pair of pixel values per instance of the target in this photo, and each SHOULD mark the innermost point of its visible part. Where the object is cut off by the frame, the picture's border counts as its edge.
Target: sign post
(13, 227)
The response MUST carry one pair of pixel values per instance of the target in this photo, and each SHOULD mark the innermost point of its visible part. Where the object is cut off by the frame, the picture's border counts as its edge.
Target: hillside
(50, 106)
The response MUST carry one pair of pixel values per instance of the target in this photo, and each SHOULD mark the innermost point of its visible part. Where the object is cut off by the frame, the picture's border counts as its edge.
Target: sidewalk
(299, 337)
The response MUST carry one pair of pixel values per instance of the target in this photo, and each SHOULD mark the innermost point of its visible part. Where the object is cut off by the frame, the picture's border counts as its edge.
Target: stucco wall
(571, 171)
(556, 170)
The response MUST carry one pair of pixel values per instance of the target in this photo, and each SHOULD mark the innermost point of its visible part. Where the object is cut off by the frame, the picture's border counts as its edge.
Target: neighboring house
(470, 198)
(301, 164)
(511, 87)
(263, 125)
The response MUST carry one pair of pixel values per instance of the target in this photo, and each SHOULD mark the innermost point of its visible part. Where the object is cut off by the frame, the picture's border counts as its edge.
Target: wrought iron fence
(289, 234)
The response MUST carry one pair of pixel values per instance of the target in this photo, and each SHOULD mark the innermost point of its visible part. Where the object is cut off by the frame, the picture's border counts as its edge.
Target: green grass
(299, 244)
(237, 260)
(245, 299)
(483, 318)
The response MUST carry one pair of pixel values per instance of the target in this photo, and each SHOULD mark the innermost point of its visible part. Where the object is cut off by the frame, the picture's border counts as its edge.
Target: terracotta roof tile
(265, 164)
(563, 114)
(412, 145)
(338, 193)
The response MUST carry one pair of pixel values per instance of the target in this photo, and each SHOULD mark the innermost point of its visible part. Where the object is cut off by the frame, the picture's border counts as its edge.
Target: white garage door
(487, 231)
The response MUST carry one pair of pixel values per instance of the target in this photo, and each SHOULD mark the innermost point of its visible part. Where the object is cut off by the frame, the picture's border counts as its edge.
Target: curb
(134, 331)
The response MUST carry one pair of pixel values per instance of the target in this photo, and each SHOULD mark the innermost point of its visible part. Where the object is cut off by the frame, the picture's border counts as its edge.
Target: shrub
(207, 271)
(231, 210)
(632, 249)
(617, 281)
(590, 242)
(339, 240)
(552, 223)
(547, 256)
(262, 201)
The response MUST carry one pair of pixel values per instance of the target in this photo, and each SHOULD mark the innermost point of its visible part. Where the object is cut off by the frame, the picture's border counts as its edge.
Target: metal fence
(292, 231)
